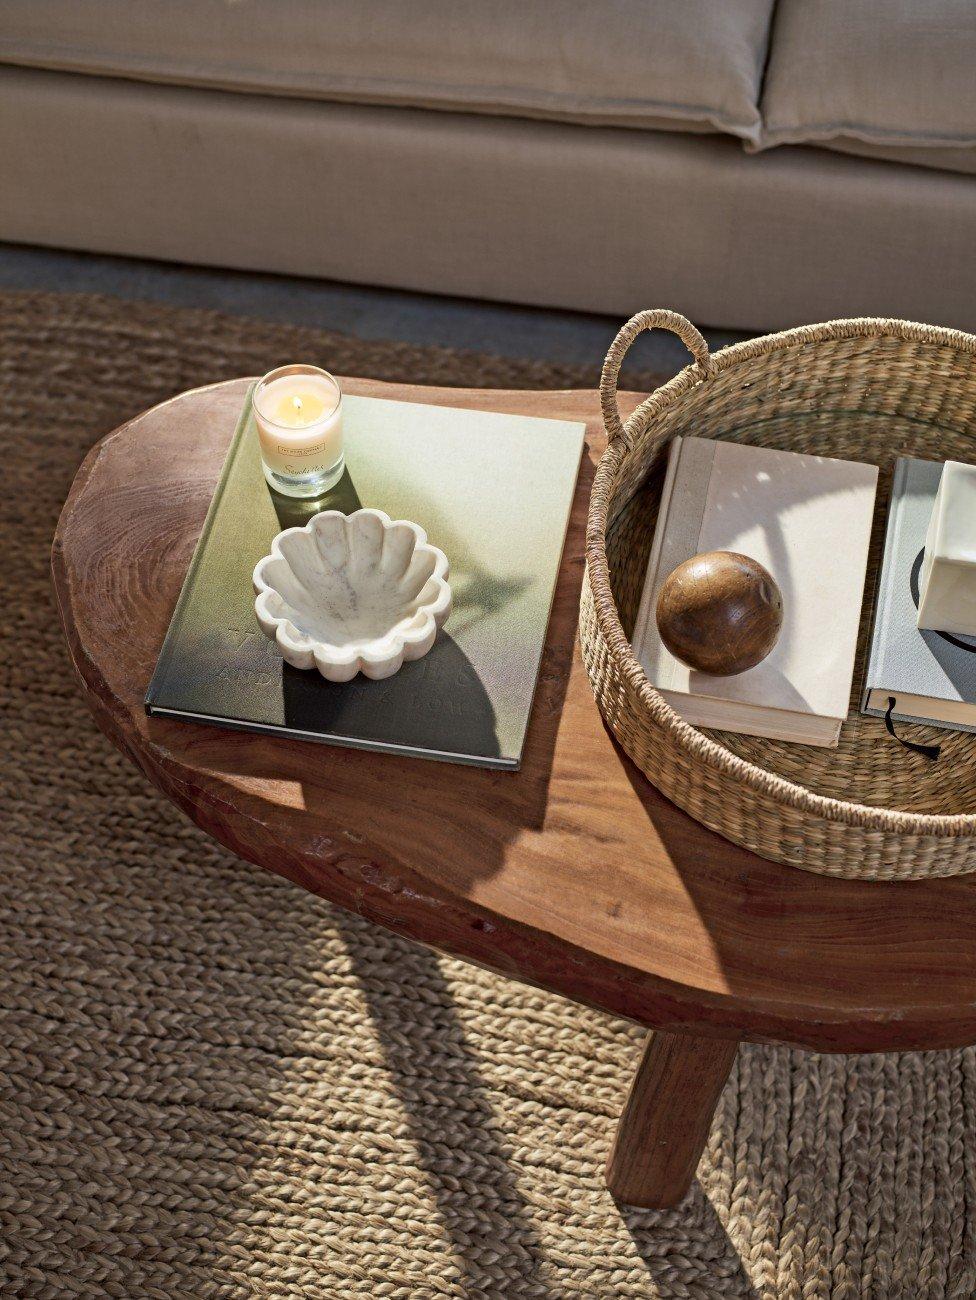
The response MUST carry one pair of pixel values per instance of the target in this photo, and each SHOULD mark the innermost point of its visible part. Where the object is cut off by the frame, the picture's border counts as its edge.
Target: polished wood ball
(720, 612)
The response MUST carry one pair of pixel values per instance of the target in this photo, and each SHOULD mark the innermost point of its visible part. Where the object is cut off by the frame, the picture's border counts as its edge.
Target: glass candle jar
(298, 412)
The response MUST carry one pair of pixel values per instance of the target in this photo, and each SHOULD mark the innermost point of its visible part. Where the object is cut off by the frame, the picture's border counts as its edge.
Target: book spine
(676, 538)
(883, 599)
(645, 612)
(172, 634)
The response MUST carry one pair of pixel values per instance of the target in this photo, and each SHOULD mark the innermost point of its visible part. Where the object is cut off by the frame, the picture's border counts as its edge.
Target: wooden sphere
(720, 612)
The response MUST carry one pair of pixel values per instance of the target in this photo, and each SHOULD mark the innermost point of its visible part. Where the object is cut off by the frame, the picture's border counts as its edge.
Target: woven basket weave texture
(858, 389)
(215, 1086)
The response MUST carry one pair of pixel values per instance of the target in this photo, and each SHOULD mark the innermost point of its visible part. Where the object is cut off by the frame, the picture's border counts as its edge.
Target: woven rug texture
(215, 1085)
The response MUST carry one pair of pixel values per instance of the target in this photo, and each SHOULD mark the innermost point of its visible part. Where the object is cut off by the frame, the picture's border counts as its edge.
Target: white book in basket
(808, 520)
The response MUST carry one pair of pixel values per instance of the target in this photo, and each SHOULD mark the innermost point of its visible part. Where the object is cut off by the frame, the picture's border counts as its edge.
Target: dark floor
(537, 333)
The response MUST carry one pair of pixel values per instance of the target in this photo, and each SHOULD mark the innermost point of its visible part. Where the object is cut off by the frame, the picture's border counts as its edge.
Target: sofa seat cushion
(484, 207)
(881, 78)
(672, 64)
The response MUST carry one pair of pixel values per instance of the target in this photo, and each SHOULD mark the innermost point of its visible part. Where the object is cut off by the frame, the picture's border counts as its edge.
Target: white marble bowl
(352, 593)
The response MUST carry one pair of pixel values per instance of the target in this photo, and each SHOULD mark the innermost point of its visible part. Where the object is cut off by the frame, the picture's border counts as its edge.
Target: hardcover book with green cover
(492, 491)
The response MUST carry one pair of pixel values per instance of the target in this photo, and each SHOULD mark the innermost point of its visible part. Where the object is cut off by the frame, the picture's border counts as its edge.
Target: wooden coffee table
(573, 874)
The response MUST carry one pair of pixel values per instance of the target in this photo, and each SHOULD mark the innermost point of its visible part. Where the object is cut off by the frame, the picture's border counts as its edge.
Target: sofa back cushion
(672, 64)
(882, 78)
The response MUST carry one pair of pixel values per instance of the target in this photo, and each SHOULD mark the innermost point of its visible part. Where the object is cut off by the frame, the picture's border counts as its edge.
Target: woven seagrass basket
(861, 389)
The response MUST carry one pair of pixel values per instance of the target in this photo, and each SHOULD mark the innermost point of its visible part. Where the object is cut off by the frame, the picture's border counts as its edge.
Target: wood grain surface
(666, 1118)
(720, 612)
(574, 874)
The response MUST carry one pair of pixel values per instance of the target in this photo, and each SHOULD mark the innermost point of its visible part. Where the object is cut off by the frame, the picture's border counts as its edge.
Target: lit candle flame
(297, 403)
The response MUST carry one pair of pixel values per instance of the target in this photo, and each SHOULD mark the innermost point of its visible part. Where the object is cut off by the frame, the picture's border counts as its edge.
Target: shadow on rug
(214, 1084)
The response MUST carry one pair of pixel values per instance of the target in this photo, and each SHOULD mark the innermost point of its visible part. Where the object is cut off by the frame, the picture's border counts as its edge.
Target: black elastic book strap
(927, 751)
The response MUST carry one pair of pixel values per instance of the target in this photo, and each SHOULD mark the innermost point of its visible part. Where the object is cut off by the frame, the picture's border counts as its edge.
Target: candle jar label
(311, 459)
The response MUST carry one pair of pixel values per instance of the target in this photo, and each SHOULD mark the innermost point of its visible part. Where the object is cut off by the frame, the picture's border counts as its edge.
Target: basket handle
(657, 318)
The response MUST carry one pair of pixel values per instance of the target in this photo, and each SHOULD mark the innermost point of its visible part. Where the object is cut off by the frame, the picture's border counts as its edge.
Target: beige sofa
(755, 163)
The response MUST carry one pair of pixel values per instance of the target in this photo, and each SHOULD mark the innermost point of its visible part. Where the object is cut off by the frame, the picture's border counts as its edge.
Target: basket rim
(695, 743)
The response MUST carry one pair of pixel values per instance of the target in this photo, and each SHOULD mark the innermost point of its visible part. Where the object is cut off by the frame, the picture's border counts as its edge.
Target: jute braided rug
(213, 1084)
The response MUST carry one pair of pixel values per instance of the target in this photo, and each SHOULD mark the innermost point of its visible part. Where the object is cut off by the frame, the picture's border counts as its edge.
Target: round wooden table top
(573, 874)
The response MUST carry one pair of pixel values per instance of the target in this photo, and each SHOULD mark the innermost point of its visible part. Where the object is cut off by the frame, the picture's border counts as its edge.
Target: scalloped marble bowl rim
(375, 657)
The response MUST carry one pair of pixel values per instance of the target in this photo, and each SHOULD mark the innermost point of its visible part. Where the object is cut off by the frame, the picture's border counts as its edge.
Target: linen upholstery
(883, 78)
(680, 64)
(536, 212)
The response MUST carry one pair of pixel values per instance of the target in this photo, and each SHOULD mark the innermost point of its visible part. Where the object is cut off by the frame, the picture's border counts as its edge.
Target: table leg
(666, 1118)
